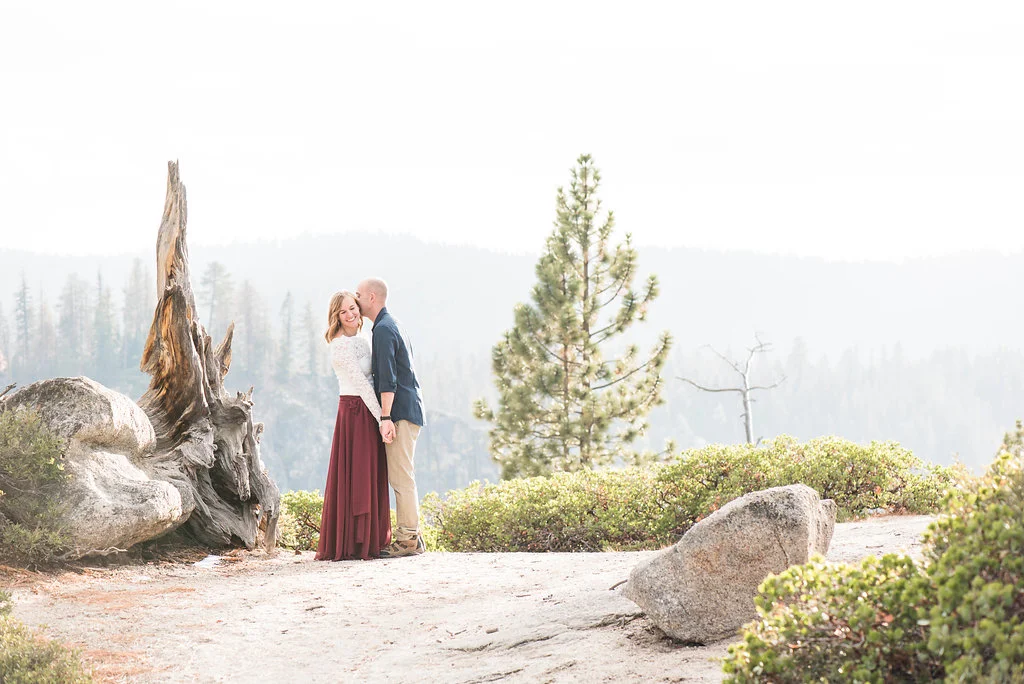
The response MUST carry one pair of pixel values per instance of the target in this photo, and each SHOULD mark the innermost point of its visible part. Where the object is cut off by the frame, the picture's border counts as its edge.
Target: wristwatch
(383, 418)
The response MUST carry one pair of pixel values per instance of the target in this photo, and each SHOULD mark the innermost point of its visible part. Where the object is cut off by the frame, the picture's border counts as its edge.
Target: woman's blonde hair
(334, 314)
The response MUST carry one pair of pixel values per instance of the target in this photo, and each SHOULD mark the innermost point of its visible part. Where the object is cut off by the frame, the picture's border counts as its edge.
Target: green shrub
(653, 506)
(29, 658)
(960, 617)
(31, 476)
(584, 510)
(31, 456)
(39, 545)
(26, 657)
(300, 519)
(976, 570)
(300, 522)
(855, 623)
(859, 478)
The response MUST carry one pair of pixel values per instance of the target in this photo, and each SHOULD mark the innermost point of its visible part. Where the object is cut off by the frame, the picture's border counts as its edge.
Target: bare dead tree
(207, 442)
(745, 390)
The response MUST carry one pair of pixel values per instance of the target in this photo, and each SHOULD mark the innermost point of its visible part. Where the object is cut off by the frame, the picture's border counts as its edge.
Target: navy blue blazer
(393, 370)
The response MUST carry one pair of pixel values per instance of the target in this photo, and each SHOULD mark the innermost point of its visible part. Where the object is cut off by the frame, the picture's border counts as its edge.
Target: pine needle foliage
(563, 403)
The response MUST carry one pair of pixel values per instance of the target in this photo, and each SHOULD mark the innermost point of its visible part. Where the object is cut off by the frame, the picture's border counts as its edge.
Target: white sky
(845, 130)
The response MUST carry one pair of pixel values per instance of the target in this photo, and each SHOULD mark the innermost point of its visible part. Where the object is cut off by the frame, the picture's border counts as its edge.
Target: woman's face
(350, 315)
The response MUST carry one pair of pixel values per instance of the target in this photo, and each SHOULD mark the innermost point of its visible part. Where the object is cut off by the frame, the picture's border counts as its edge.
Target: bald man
(394, 380)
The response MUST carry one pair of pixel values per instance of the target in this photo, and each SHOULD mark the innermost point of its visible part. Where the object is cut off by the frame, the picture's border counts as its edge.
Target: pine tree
(217, 293)
(136, 315)
(104, 335)
(284, 366)
(72, 325)
(313, 341)
(45, 347)
(5, 343)
(561, 405)
(254, 331)
(23, 333)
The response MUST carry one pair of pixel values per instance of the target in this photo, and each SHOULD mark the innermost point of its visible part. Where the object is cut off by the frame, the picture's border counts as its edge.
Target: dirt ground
(439, 617)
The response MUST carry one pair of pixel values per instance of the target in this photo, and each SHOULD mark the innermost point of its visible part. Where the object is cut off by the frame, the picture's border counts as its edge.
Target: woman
(356, 519)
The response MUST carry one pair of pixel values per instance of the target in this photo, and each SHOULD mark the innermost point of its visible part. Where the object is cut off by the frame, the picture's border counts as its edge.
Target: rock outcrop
(188, 454)
(111, 499)
(702, 589)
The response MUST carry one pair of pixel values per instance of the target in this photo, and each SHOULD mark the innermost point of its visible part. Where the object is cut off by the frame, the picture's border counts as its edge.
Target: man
(394, 380)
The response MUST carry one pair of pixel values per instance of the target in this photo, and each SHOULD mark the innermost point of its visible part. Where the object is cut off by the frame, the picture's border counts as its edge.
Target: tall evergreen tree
(45, 350)
(216, 292)
(23, 332)
(561, 404)
(287, 349)
(312, 340)
(104, 335)
(137, 314)
(5, 344)
(254, 330)
(73, 328)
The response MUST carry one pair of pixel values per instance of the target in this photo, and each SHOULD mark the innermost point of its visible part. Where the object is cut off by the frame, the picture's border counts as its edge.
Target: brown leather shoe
(400, 549)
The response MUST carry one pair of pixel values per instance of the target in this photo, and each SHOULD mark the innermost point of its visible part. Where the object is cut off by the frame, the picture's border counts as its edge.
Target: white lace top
(350, 359)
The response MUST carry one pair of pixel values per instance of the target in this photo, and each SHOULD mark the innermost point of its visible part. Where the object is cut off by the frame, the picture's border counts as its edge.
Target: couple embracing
(380, 413)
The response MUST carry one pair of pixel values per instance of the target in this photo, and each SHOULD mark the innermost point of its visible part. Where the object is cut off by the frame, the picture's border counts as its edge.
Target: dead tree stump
(207, 444)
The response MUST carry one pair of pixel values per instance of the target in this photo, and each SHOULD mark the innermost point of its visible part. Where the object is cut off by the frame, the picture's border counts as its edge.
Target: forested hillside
(924, 352)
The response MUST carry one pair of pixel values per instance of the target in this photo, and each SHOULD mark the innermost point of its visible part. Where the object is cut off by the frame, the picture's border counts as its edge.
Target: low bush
(959, 617)
(653, 506)
(31, 476)
(300, 522)
(859, 478)
(580, 511)
(849, 623)
(26, 657)
(976, 573)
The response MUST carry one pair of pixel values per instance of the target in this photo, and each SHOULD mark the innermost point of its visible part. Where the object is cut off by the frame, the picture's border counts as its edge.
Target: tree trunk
(207, 443)
(748, 417)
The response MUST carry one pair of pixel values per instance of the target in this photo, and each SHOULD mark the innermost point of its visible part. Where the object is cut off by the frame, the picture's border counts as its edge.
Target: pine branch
(630, 373)
(550, 353)
(618, 293)
(602, 334)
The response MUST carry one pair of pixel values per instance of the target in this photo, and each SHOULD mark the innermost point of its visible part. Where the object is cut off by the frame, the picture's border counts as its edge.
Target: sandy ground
(437, 617)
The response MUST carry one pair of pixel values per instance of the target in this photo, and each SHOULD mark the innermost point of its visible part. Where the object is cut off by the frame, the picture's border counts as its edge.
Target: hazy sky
(846, 130)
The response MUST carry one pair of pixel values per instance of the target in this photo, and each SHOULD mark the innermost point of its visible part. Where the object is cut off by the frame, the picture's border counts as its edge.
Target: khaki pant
(401, 453)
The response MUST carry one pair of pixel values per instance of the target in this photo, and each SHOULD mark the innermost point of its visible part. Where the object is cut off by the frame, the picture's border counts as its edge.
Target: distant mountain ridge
(461, 297)
(927, 352)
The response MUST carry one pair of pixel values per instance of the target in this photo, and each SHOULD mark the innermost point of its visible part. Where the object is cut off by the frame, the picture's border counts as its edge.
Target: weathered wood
(207, 441)
(746, 389)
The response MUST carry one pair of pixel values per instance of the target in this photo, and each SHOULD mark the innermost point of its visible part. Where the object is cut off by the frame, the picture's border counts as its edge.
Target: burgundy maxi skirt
(356, 520)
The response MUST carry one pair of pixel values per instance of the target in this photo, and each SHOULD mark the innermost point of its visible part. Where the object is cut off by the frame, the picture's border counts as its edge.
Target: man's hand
(387, 431)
